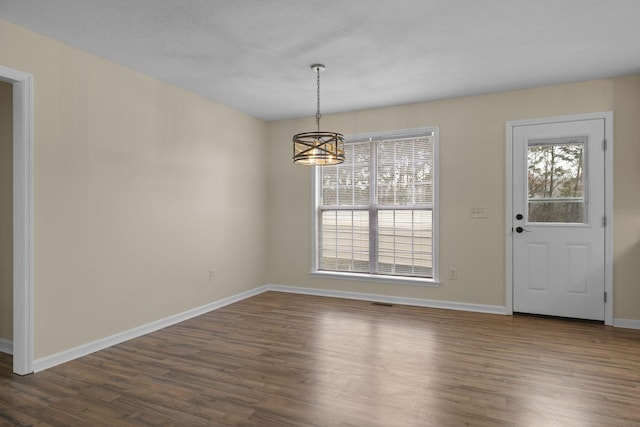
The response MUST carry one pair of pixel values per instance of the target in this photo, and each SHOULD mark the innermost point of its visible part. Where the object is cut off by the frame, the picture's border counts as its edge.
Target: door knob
(520, 230)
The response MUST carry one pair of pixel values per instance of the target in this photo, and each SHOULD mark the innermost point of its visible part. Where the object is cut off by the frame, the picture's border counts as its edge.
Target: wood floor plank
(281, 359)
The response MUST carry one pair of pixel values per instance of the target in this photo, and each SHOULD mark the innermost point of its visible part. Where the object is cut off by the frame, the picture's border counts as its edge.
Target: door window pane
(556, 180)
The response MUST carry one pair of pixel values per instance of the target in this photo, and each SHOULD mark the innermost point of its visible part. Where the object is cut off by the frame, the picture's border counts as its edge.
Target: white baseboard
(6, 346)
(85, 349)
(626, 323)
(419, 302)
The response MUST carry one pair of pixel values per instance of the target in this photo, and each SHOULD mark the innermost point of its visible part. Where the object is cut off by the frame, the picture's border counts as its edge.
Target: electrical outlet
(453, 274)
(212, 275)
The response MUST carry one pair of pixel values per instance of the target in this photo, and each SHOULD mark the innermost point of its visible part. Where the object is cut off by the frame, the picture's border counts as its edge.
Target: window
(375, 213)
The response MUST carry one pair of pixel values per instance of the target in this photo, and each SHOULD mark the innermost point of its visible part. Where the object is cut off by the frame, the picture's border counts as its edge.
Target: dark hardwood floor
(291, 360)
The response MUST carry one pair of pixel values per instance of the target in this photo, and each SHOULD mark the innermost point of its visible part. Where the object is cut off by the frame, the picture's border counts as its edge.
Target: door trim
(607, 116)
(22, 218)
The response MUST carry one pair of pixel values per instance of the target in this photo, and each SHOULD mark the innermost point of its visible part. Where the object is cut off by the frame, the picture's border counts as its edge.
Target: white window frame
(404, 280)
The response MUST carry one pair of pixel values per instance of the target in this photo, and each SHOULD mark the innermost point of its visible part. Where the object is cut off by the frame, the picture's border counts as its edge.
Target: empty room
(320, 213)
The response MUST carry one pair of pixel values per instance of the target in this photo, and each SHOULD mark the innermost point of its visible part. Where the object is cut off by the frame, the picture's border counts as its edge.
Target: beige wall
(138, 193)
(6, 211)
(472, 172)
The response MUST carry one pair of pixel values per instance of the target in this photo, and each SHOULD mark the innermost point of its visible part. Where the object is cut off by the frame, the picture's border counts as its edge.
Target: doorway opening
(22, 151)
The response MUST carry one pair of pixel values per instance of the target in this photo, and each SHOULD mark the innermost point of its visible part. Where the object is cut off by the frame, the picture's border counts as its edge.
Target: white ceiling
(254, 55)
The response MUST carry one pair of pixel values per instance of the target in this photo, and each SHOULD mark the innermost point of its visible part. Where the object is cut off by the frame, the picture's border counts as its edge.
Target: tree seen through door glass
(556, 181)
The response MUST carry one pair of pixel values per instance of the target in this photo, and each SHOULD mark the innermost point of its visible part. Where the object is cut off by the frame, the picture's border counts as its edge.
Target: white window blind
(375, 211)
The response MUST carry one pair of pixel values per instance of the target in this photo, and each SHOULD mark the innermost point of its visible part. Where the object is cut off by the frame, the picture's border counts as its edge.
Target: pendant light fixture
(318, 148)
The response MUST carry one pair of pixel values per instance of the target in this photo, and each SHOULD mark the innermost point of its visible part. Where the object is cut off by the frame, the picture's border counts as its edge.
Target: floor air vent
(383, 304)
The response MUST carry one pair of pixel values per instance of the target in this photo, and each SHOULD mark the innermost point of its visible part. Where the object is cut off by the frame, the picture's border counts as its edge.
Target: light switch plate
(478, 212)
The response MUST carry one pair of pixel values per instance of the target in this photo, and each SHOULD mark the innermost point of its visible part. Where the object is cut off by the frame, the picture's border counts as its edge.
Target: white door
(558, 218)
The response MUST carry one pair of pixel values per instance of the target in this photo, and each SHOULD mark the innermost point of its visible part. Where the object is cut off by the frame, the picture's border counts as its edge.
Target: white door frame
(22, 218)
(607, 116)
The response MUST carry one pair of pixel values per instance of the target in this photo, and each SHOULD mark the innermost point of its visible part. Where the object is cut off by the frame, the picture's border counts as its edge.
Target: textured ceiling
(254, 55)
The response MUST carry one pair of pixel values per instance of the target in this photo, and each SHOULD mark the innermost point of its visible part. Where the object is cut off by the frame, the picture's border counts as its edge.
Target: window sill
(396, 280)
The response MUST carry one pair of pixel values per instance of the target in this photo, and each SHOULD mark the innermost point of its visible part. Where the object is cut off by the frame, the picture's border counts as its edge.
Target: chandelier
(318, 148)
